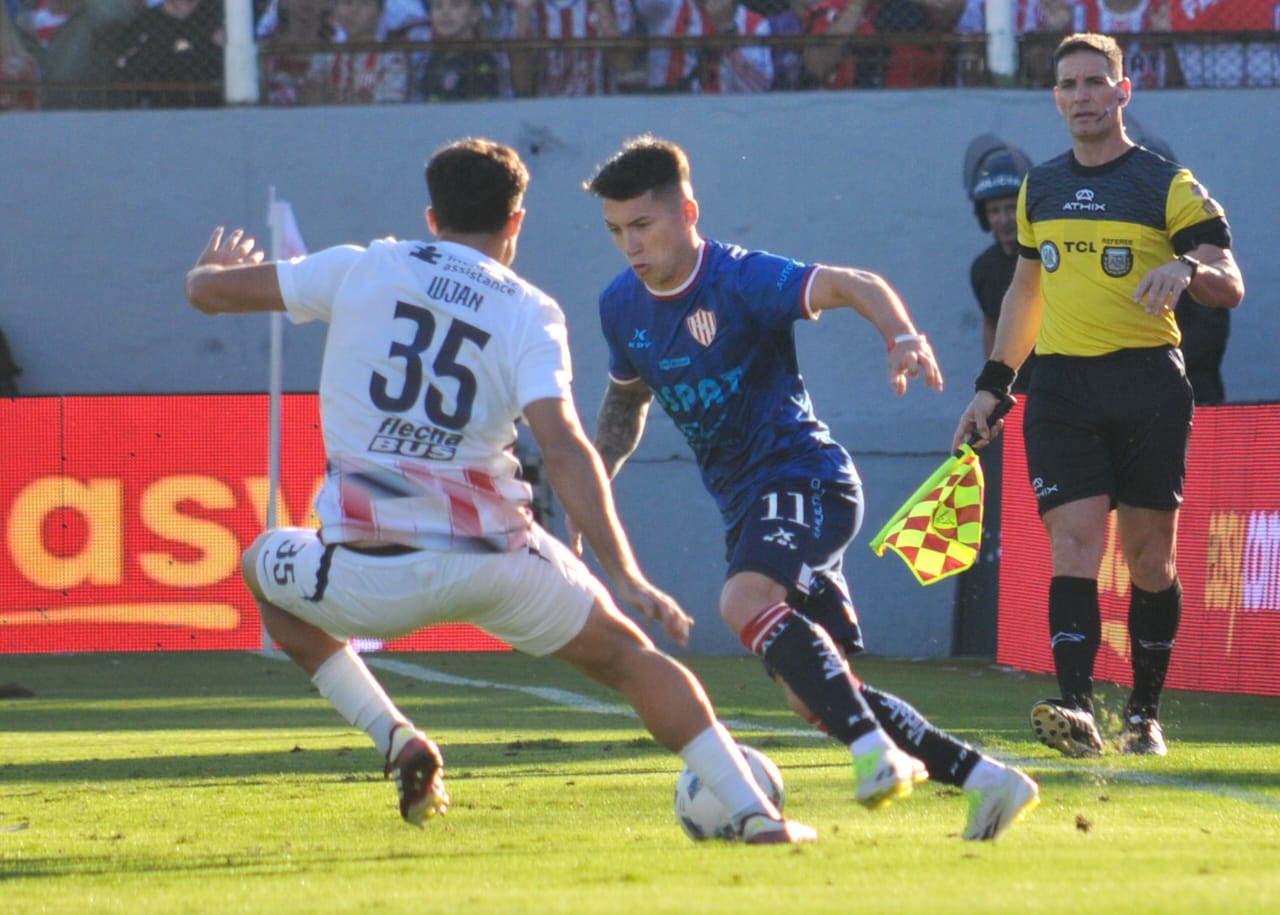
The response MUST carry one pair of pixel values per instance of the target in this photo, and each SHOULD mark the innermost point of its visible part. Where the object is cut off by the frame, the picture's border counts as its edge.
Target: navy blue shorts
(796, 534)
(1117, 425)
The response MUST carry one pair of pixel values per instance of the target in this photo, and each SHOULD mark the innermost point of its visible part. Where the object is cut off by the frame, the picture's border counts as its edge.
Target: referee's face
(657, 235)
(1088, 94)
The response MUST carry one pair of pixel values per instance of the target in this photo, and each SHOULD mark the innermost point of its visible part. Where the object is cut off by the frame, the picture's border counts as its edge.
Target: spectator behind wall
(74, 41)
(672, 69)
(859, 66)
(1204, 330)
(357, 76)
(287, 23)
(578, 72)
(740, 69)
(456, 74)
(174, 41)
(17, 64)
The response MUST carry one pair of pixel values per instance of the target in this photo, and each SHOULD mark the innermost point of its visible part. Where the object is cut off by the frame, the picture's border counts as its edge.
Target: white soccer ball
(700, 813)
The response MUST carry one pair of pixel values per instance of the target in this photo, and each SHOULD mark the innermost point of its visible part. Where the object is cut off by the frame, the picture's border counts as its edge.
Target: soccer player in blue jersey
(706, 328)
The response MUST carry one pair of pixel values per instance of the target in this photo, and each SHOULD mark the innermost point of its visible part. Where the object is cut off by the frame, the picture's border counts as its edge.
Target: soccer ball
(700, 813)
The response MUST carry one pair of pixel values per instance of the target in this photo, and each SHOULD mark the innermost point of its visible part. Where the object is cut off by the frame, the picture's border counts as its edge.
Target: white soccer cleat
(762, 829)
(418, 767)
(993, 810)
(885, 775)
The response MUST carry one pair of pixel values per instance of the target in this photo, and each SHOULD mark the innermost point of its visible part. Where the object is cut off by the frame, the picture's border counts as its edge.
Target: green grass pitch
(222, 783)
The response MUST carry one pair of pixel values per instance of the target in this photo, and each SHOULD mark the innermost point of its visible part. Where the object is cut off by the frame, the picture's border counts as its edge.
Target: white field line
(579, 702)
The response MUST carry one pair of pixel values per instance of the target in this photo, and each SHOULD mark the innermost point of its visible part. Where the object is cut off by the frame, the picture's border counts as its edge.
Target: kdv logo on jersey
(639, 339)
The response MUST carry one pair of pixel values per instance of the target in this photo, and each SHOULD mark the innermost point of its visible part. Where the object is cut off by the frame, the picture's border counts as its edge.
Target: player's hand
(230, 249)
(656, 606)
(976, 421)
(913, 358)
(1160, 289)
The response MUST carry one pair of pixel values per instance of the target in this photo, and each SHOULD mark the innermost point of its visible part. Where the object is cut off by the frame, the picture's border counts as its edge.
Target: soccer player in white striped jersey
(435, 350)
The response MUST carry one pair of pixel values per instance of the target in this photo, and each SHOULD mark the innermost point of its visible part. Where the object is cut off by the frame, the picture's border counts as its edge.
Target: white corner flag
(286, 243)
(286, 237)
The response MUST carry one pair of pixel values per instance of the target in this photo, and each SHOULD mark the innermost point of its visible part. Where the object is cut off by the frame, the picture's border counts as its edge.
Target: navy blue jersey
(719, 355)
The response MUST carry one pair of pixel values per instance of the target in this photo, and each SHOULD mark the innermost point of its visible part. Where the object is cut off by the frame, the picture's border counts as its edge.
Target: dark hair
(1091, 41)
(475, 185)
(644, 163)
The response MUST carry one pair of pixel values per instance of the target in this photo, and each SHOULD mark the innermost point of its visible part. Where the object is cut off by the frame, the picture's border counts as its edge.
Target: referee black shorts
(1117, 425)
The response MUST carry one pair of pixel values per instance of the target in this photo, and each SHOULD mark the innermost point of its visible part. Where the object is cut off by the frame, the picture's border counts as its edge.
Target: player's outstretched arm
(870, 295)
(230, 276)
(620, 423)
(576, 473)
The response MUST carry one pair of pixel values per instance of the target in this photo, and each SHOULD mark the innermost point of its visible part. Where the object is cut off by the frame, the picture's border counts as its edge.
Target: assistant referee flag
(938, 531)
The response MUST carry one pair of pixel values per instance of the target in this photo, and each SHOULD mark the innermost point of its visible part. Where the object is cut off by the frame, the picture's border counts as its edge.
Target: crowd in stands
(70, 53)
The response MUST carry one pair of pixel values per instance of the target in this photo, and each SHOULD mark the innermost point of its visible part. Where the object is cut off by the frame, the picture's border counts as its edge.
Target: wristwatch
(1192, 263)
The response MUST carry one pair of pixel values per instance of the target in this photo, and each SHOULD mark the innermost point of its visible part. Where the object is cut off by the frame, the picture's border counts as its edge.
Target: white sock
(868, 743)
(346, 682)
(986, 774)
(714, 757)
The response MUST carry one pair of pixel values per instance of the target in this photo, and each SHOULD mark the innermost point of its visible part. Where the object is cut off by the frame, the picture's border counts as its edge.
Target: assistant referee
(1110, 235)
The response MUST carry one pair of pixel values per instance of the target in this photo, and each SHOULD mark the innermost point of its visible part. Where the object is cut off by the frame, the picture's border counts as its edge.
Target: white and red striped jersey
(361, 76)
(433, 351)
(672, 68)
(1146, 63)
(743, 69)
(576, 72)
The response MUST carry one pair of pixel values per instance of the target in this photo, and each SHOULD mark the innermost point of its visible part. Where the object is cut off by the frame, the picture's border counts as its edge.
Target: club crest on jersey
(702, 325)
(1117, 261)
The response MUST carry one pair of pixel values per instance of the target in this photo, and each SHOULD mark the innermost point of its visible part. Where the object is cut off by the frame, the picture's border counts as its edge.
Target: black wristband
(995, 378)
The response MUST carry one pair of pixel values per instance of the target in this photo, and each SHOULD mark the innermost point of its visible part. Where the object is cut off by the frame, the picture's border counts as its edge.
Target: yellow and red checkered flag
(938, 531)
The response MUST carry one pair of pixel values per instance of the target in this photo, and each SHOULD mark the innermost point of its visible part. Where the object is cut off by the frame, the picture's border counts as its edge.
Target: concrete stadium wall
(103, 213)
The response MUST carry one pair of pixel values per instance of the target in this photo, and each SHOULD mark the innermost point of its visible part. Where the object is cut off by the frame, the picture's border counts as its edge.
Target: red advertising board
(124, 519)
(1228, 562)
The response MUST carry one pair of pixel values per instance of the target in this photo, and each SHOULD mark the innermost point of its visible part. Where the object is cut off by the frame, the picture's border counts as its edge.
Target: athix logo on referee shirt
(1084, 201)
(702, 325)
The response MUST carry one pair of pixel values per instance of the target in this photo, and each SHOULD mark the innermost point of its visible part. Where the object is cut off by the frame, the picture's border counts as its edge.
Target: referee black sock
(1153, 624)
(948, 760)
(809, 662)
(1075, 632)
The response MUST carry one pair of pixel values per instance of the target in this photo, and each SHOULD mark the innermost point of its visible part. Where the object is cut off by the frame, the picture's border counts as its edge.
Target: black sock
(948, 760)
(1075, 632)
(806, 659)
(1153, 624)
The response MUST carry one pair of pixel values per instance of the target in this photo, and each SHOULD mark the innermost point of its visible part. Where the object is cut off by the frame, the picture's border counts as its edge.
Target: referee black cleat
(1070, 731)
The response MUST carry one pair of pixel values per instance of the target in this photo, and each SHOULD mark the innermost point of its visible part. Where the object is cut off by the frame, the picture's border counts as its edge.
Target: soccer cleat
(762, 829)
(993, 810)
(418, 768)
(1070, 731)
(1143, 737)
(885, 775)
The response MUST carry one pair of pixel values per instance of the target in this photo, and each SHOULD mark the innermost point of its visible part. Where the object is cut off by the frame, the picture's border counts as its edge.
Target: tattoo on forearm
(620, 425)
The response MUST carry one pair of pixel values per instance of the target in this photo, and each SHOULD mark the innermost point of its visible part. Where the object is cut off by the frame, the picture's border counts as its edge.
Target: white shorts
(536, 600)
